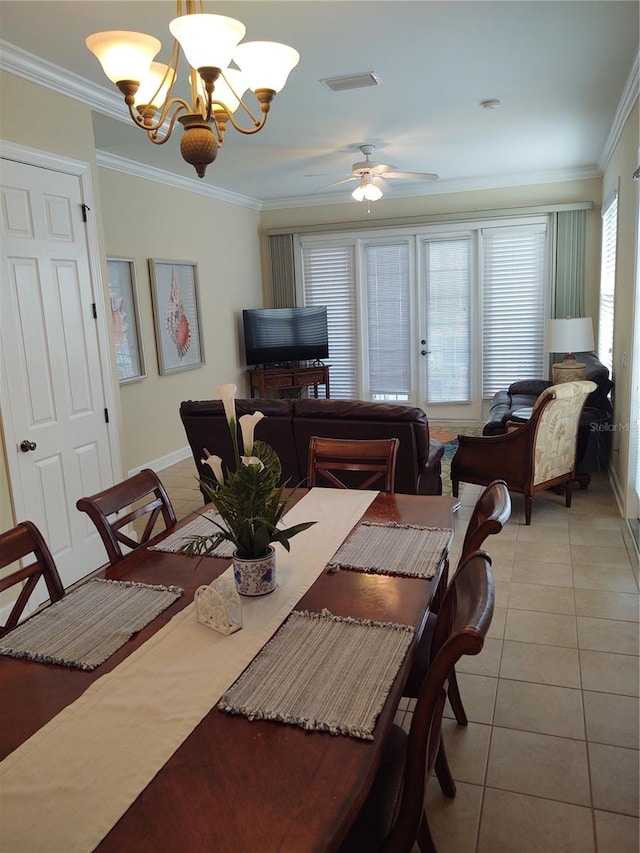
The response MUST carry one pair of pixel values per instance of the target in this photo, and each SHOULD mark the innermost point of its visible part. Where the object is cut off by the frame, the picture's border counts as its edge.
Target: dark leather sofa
(524, 393)
(289, 424)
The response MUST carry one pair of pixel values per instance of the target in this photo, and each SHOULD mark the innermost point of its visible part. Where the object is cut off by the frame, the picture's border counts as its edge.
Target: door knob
(425, 352)
(26, 446)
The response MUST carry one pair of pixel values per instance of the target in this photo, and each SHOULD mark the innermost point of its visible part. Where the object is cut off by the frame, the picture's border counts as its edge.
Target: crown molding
(170, 179)
(625, 105)
(445, 187)
(43, 73)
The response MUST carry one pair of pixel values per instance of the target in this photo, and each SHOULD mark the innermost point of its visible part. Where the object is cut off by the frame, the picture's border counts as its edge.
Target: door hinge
(94, 311)
(106, 416)
(85, 210)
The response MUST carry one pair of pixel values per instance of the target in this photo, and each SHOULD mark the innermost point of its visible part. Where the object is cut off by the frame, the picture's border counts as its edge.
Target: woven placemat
(200, 526)
(393, 549)
(89, 624)
(323, 673)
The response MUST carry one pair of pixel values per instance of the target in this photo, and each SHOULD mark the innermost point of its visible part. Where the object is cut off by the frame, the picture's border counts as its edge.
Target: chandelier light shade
(569, 335)
(124, 55)
(209, 43)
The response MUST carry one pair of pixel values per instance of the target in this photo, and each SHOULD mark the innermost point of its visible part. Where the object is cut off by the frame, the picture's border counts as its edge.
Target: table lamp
(570, 335)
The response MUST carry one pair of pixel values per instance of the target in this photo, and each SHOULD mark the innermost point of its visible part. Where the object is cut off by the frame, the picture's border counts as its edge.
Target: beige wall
(143, 219)
(461, 202)
(619, 173)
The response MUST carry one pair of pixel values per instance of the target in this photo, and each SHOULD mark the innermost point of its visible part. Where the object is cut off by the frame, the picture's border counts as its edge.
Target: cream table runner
(63, 789)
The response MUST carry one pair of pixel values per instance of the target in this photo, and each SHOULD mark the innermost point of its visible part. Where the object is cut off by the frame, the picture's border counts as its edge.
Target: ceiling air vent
(351, 81)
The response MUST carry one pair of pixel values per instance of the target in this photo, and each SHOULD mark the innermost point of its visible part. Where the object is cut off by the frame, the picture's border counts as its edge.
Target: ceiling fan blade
(338, 183)
(420, 176)
(327, 174)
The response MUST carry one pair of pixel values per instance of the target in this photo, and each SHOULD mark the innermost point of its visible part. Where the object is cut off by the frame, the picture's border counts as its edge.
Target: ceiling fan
(367, 171)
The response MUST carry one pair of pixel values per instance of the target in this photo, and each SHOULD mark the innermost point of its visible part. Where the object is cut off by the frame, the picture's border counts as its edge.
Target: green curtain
(569, 282)
(283, 280)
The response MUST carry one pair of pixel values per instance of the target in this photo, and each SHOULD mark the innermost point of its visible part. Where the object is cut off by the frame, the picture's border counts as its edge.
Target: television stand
(263, 379)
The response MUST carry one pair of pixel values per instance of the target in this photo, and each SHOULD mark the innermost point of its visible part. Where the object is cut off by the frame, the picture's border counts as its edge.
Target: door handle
(425, 352)
(26, 446)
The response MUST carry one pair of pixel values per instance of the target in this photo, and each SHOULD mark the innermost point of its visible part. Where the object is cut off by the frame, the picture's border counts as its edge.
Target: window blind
(514, 265)
(608, 281)
(329, 279)
(388, 320)
(447, 274)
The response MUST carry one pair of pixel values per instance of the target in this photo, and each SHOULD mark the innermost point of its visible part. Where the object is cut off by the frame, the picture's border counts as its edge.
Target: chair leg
(425, 841)
(528, 504)
(568, 492)
(443, 772)
(455, 700)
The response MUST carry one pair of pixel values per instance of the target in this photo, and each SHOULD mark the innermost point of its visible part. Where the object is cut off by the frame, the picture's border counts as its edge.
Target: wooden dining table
(236, 784)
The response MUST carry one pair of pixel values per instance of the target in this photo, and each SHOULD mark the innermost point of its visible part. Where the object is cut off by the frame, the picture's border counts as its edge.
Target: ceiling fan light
(372, 192)
(358, 193)
(154, 87)
(207, 40)
(123, 55)
(266, 64)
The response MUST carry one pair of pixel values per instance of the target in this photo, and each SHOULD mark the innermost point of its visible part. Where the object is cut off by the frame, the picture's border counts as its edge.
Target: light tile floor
(549, 760)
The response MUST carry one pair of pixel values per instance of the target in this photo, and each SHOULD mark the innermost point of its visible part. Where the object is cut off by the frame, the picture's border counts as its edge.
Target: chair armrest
(486, 457)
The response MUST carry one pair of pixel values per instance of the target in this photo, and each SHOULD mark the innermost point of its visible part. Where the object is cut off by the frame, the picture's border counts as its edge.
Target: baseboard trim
(163, 462)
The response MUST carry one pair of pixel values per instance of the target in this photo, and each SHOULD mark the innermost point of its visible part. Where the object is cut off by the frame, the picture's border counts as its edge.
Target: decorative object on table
(89, 624)
(569, 335)
(174, 289)
(218, 606)
(250, 504)
(127, 337)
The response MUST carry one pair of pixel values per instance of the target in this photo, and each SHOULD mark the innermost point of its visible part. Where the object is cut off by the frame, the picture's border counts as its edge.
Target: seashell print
(177, 322)
(119, 321)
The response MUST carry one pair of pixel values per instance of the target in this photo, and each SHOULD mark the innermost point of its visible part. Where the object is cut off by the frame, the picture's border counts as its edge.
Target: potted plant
(250, 504)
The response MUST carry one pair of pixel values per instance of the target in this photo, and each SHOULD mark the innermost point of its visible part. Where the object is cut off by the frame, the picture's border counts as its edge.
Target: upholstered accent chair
(532, 456)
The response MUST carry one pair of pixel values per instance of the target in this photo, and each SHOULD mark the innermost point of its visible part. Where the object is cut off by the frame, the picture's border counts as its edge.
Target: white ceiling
(559, 68)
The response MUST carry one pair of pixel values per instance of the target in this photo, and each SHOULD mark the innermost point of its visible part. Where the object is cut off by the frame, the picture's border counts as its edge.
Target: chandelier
(210, 43)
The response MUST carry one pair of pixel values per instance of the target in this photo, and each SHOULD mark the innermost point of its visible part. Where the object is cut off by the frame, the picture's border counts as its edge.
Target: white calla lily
(215, 463)
(227, 394)
(252, 460)
(247, 426)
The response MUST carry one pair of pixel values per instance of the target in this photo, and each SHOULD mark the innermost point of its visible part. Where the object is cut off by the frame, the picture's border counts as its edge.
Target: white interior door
(53, 399)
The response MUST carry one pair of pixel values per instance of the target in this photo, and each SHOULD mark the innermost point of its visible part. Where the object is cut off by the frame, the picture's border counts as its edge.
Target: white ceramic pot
(257, 576)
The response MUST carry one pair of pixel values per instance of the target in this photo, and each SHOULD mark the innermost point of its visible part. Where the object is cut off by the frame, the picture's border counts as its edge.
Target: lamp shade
(229, 89)
(573, 334)
(154, 87)
(266, 64)
(207, 40)
(124, 55)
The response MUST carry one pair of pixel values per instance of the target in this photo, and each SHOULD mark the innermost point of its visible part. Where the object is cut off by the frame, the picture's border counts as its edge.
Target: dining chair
(343, 463)
(145, 494)
(529, 457)
(21, 541)
(393, 816)
(491, 512)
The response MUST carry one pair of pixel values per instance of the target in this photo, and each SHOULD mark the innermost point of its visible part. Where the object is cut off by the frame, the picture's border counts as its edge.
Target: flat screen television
(284, 335)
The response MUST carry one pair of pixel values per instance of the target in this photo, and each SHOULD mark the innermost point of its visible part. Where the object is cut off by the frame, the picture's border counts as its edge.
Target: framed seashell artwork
(176, 315)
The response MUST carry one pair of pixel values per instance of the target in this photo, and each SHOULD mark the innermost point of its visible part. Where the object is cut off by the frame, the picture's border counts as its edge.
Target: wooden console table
(266, 379)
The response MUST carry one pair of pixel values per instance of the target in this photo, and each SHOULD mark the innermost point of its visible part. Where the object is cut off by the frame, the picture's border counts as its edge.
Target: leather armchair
(530, 457)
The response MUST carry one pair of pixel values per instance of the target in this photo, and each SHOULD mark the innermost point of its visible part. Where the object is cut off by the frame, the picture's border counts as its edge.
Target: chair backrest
(344, 463)
(554, 450)
(490, 514)
(145, 494)
(461, 627)
(21, 541)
